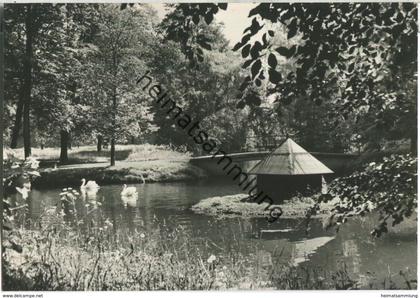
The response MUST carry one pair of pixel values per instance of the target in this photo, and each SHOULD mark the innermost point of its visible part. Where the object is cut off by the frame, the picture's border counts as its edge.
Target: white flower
(211, 259)
(142, 235)
(108, 223)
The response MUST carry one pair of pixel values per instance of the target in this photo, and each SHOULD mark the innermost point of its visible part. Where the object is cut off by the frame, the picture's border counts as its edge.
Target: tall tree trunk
(114, 108)
(114, 112)
(99, 145)
(112, 151)
(413, 142)
(69, 141)
(18, 120)
(64, 140)
(27, 84)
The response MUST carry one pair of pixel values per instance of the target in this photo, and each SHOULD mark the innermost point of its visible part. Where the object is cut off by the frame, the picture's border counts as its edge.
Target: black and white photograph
(230, 146)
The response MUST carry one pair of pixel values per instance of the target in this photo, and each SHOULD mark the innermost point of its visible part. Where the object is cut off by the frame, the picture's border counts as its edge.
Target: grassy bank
(89, 154)
(153, 163)
(237, 205)
(122, 172)
(67, 261)
(72, 252)
(69, 255)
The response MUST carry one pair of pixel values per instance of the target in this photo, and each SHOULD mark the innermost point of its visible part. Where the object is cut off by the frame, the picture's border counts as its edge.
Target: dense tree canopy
(205, 91)
(338, 77)
(350, 67)
(343, 80)
(388, 186)
(353, 55)
(121, 111)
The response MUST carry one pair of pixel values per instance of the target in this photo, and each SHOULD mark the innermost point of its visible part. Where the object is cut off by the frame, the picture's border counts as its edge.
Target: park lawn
(153, 163)
(122, 172)
(152, 171)
(89, 154)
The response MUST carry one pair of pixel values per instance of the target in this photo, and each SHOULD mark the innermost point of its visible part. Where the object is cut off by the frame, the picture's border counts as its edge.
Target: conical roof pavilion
(290, 159)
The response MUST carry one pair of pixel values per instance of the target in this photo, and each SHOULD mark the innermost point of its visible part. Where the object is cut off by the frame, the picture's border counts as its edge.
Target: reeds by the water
(72, 255)
(69, 251)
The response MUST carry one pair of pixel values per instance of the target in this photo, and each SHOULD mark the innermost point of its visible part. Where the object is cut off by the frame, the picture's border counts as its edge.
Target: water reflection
(166, 206)
(302, 250)
(351, 254)
(89, 194)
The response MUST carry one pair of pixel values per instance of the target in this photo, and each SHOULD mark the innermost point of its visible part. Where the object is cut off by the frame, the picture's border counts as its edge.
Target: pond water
(170, 203)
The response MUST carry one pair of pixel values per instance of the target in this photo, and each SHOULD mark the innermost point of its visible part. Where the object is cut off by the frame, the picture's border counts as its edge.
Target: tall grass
(62, 262)
(67, 249)
(68, 253)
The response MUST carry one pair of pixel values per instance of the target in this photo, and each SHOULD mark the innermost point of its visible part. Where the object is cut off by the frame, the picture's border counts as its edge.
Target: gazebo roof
(290, 159)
